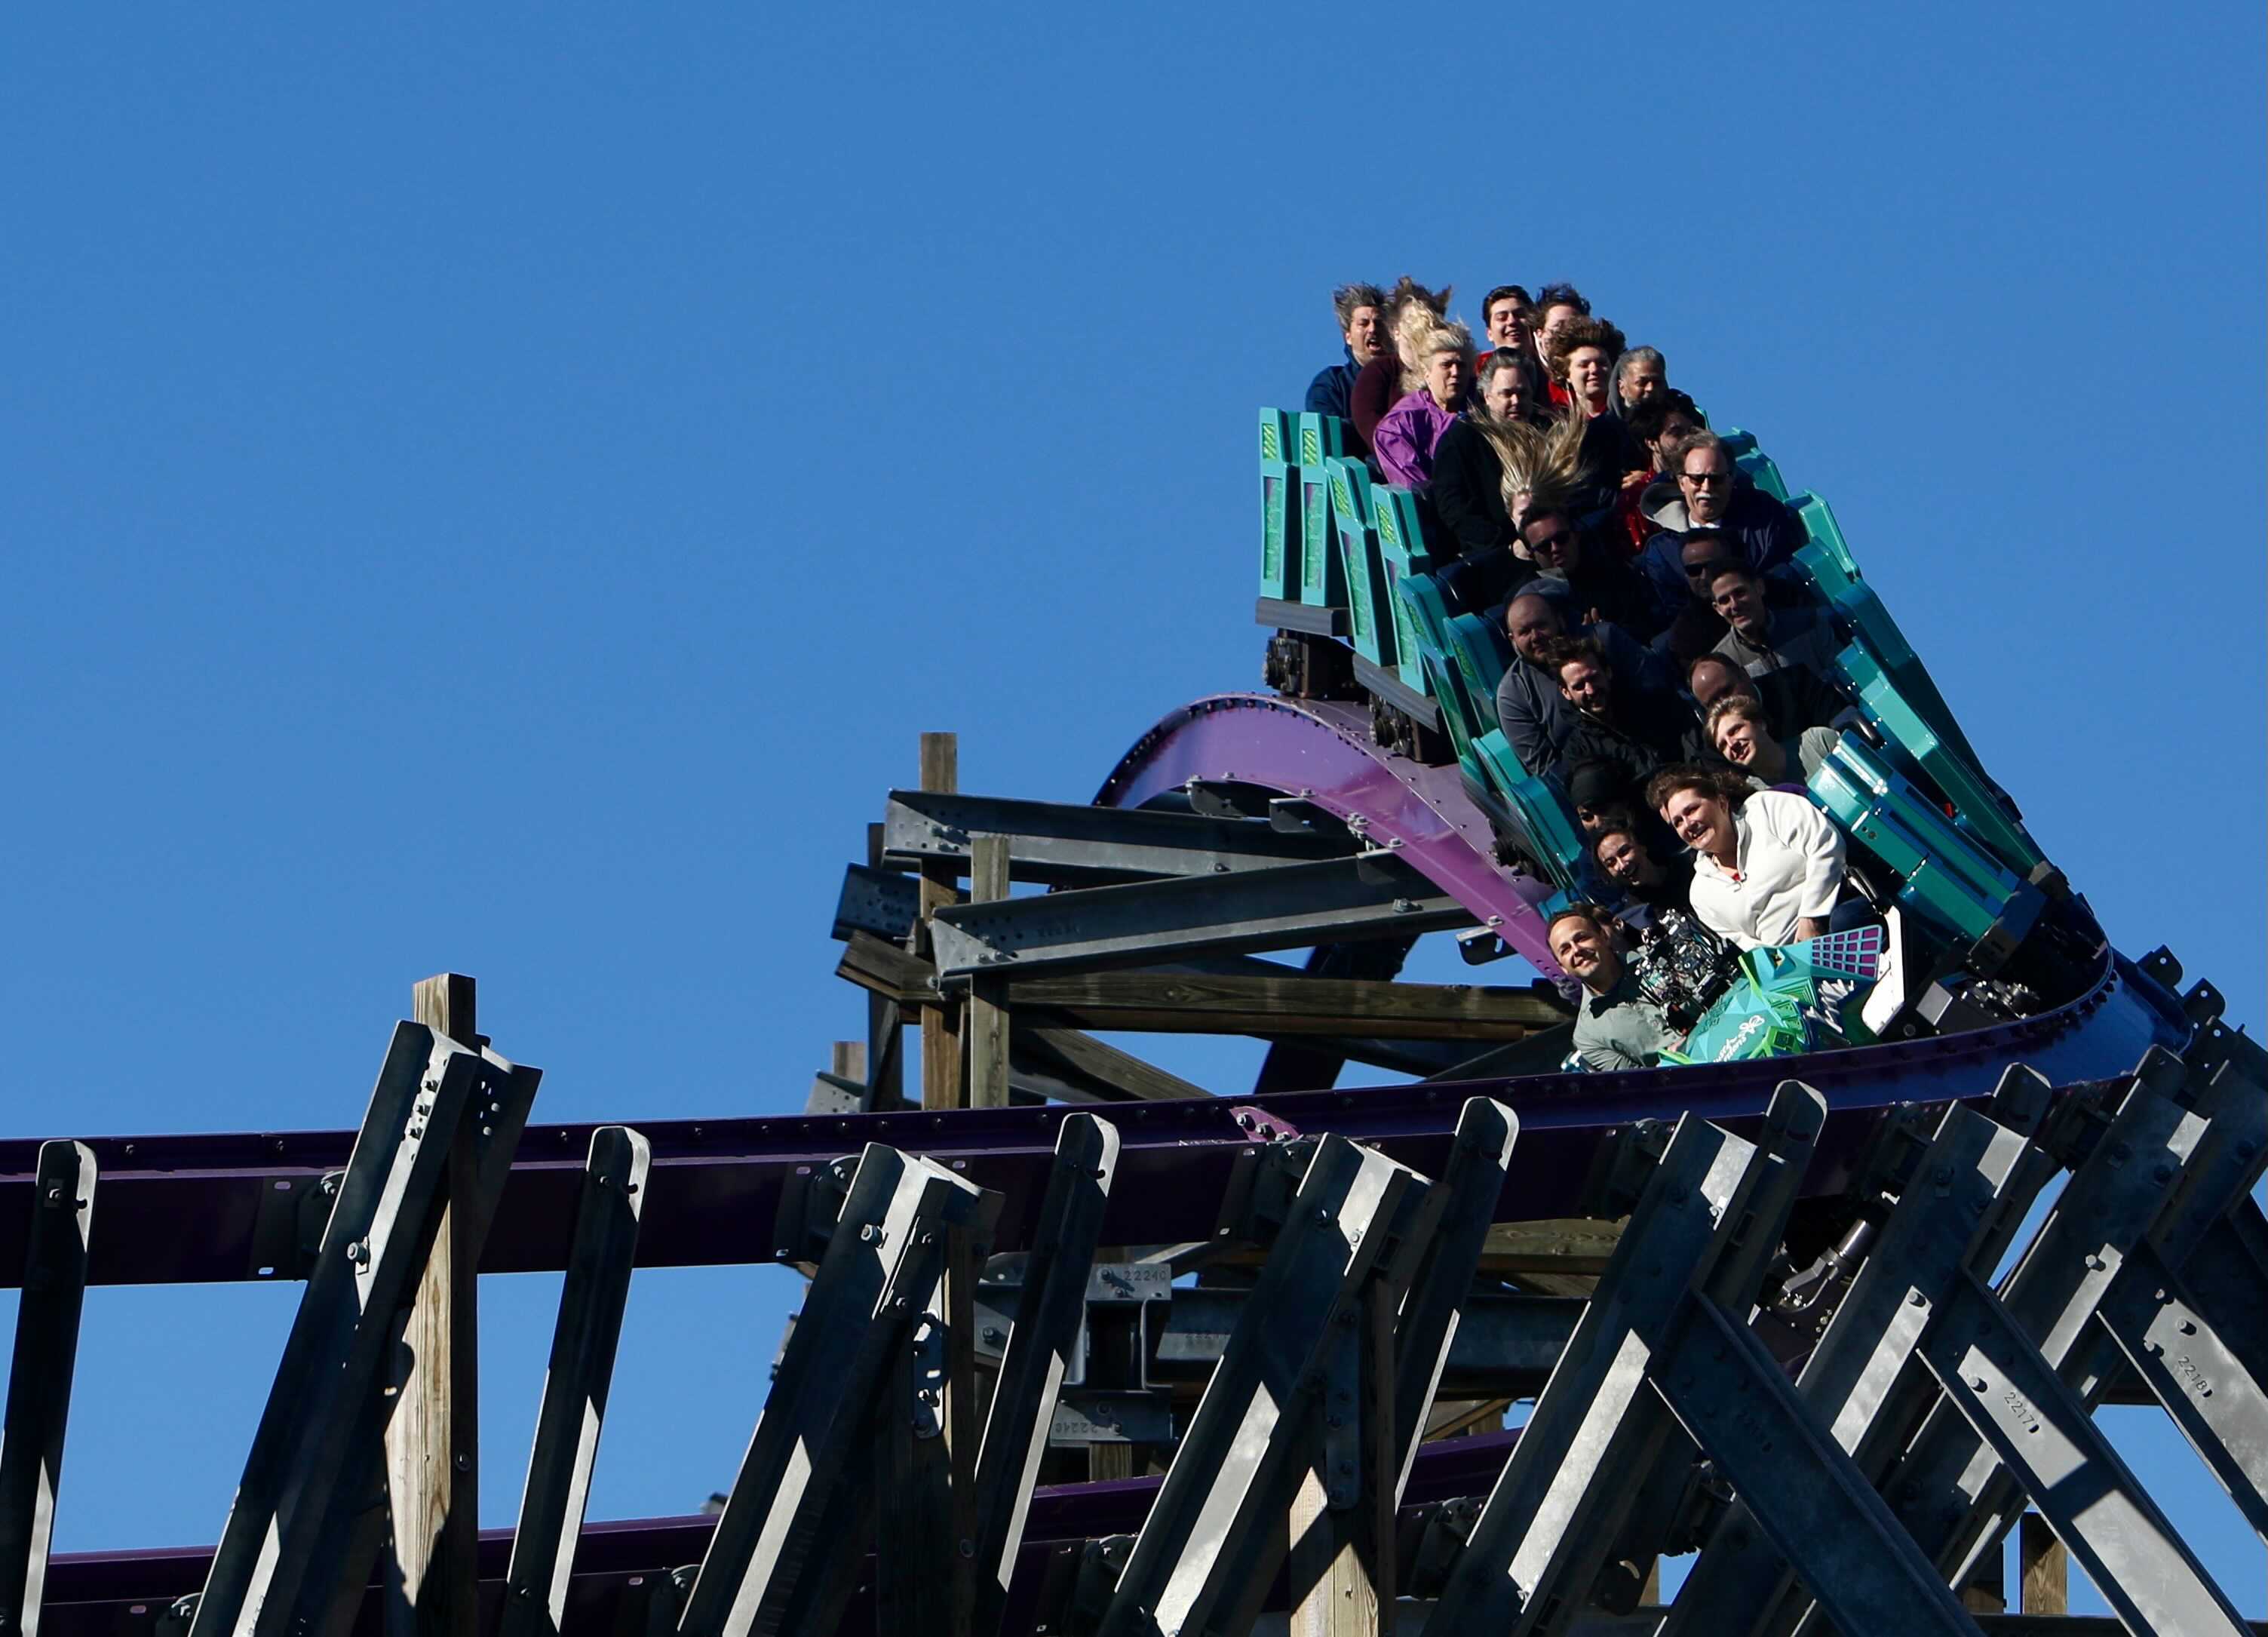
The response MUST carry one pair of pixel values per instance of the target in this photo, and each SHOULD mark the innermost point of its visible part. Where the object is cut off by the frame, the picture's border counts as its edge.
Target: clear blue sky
(504, 492)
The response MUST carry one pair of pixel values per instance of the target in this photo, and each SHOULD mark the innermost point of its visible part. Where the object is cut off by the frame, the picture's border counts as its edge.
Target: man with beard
(1635, 729)
(1760, 531)
(1534, 715)
(1614, 1028)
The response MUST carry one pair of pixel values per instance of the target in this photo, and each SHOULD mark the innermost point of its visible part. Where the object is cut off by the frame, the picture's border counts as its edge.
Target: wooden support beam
(879, 967)
(941, 1077)
(1103, 1064)
(2043, 1565)
(432, 1438)
(1291, 1003)
(886, 1057)
(1038, 1043)
(987, 1024)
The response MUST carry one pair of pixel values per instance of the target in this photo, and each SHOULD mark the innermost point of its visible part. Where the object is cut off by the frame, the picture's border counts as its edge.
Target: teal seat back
(1480, 653)
(1402, 553)
(1978, 805)
(1370, 619)
(1544, 817)
(1280, 514)
(1758, 467)
(1949, 879)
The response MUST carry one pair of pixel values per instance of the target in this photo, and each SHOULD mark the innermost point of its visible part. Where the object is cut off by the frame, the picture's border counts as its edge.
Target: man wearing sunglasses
(1600, 585)
(1764, 532)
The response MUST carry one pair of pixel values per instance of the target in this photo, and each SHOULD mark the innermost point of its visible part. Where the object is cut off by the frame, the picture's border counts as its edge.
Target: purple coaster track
(1323, 752)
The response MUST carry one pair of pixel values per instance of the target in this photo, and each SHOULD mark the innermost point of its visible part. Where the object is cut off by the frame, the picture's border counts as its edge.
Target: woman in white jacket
(1767, 865)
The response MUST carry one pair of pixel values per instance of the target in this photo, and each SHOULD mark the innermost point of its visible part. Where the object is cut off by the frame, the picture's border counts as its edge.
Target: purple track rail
(1323, 752)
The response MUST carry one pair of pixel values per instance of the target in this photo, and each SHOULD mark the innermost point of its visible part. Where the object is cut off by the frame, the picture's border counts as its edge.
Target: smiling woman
(1768, 866)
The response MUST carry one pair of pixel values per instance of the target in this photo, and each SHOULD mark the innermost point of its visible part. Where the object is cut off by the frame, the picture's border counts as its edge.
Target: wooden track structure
(1088, 1349)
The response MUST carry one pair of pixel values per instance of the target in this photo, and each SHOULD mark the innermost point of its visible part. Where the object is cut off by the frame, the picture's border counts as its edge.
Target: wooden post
(988, 997)
(941, 1083)
(846, 1059)
(2044, 1564)
(432, 1439)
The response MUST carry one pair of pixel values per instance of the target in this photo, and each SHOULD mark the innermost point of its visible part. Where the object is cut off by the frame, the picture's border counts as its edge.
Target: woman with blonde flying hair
(1409, 431)
(1409, 306)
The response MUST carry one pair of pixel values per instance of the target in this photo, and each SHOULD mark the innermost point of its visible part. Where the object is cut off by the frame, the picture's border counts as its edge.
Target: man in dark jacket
(1619, 720)
(1763, 532)
(1467, 475)
(1765, 640)
(1602, 585)
(1361, 309)
(1533, 713)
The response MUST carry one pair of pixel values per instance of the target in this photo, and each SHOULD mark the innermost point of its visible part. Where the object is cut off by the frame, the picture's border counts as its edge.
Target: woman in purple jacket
(1403, 444)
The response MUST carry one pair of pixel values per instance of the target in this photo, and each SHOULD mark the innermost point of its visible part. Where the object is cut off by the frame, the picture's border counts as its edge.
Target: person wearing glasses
(1598, 584)
(1764, 533)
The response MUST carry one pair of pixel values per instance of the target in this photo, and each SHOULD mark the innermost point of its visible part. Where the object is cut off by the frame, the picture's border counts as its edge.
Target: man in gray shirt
(1614, 1028)
(1762, 639)
(1533, 713)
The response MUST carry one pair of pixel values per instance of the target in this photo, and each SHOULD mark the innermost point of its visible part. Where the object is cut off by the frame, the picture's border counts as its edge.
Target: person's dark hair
(1704, 440)
(1720, 783)
(1561, 296)
(1734, 567)
(1561, 650)
(1581, 911)
(1647, 420)
(1347, 297)
(1517, 295)
(1549, 503)
(1407, 290)
(1613, 829)
(1584, 332)
(1512, 359)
